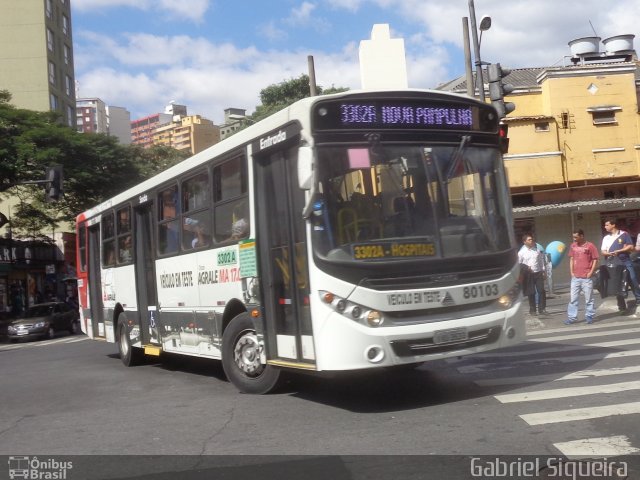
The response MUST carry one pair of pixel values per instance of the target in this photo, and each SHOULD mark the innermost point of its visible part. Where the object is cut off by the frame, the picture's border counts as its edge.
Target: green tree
(96, 166)
(278, 96)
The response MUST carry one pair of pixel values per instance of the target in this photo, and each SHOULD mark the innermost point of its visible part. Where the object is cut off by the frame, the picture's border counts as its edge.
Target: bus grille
(432, 280)
(424, 346)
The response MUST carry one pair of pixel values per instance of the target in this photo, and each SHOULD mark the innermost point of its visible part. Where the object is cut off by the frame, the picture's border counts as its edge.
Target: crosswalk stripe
(597, 447)
(567, 392)
(550, 377)
(543, 351)
(573, 414)
(593, 327)
(575, 336)
(484, 367)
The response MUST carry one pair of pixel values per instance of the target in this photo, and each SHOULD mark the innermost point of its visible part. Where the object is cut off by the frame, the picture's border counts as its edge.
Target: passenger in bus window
(201, 237)
(240, 223)
(239, 229)
(124, 249)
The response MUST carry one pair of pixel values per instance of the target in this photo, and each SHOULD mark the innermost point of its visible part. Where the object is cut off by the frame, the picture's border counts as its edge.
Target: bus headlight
(507, 300)
(363, 315)
(374, 319)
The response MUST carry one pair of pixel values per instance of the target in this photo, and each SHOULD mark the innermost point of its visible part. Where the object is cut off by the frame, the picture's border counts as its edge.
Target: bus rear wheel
(130, 355)
(241, 358)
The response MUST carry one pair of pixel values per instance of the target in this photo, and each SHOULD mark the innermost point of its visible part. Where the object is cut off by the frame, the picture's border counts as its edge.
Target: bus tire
(241, 358)
(130, 355)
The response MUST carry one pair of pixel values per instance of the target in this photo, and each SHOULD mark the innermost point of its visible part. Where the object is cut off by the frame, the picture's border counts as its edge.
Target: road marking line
(491, 366)
(10, 347)
(541, 351)
(597, 447)
(43, 343)
(595, 326)
(567, 392)
(574, 414)
(583, 335)
(49, 342)
(493, 382)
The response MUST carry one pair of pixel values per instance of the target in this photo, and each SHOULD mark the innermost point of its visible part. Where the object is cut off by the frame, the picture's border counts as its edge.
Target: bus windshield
(389, 201)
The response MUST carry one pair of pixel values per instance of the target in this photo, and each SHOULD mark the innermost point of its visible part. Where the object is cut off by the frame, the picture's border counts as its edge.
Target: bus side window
(125, 254)
(108, 240)
(196, 230)
(231, 210)
(168, 228)
(82, 246)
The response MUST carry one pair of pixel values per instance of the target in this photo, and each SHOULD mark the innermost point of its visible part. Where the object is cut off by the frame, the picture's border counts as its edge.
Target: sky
(215, 54)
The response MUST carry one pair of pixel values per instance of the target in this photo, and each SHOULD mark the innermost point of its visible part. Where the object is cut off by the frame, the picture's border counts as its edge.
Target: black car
(44, 321)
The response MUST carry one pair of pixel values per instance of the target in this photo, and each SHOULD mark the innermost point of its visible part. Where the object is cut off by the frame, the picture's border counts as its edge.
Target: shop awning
(582, 206)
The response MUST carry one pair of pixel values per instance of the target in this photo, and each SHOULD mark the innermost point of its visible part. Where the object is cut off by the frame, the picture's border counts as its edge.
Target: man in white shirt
(532, 263)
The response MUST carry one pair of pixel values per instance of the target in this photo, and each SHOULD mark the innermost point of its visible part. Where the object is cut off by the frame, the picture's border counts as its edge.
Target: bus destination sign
(409, 115)
(374, 251)
(418, 114)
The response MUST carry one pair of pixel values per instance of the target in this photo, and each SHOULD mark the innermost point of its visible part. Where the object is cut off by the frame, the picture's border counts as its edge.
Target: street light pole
(467, 58)
(476, 50)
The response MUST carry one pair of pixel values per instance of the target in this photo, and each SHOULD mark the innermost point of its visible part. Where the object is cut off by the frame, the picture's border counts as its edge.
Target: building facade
(143, 129)
(233, 118)
(35, 271)
(119, 123)
(36, 56)
(91, 115)
(190, 133)
(194, 134)
(574, 144)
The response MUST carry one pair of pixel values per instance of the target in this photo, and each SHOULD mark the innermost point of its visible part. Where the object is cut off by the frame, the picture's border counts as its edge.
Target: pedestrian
(583, 259)
(616, 248)
(532, 264)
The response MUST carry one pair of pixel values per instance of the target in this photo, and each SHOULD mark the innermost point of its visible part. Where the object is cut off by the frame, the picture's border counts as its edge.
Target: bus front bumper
(343, 344)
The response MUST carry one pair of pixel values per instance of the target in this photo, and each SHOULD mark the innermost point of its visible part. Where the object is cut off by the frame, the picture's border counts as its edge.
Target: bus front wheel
(130, 355)
(241, 358)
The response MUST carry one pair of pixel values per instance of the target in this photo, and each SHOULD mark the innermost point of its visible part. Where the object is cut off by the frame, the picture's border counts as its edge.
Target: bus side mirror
(305, 167)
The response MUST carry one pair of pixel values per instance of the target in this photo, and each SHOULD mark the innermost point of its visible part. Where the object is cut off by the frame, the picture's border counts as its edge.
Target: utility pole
(467, 57)
(476, 50)
(313, 89)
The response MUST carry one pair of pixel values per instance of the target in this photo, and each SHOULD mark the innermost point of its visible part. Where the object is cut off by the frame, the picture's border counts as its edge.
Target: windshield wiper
(457, 158)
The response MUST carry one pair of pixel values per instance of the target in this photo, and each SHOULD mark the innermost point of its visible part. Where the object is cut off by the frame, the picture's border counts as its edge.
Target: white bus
(349, 231)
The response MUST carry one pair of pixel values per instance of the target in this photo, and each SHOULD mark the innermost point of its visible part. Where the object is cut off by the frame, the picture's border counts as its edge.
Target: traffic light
(54, 183)
(498, 89)
(504, 138)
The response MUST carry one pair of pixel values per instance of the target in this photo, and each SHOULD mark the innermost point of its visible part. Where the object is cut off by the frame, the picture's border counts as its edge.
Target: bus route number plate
(451, 335)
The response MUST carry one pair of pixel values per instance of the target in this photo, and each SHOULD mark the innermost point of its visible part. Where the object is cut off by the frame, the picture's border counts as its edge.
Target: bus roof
(296, 111)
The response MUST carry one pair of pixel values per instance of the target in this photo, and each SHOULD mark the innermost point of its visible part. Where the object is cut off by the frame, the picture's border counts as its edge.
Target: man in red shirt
(583, 259)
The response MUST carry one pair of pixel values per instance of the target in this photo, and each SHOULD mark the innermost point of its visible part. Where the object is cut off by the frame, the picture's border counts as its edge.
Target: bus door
(282, 248)
(146, 274)
(95, 283)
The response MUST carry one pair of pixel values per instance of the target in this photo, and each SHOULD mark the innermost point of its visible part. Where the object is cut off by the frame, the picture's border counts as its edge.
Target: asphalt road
(72, 396)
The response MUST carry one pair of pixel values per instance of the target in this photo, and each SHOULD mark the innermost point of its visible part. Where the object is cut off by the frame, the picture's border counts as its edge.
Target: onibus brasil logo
(37, 469)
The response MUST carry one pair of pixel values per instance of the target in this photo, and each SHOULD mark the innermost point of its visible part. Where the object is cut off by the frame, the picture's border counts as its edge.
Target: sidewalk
(606, 311)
